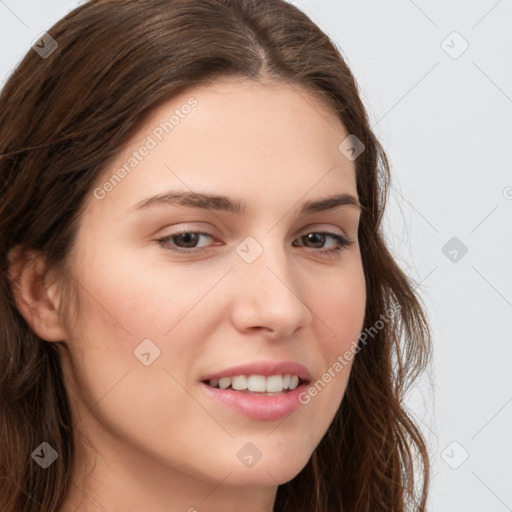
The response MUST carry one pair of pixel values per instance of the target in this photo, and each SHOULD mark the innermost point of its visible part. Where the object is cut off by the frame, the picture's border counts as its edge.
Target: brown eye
(318, 239)
(180, 242)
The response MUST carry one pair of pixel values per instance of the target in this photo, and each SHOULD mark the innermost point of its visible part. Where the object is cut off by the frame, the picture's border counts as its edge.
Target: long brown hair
(63, 116)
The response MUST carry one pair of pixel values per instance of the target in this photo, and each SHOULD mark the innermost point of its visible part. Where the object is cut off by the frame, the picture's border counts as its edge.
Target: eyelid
(208, 230)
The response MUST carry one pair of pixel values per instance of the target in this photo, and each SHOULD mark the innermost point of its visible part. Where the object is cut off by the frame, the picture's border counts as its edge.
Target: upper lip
(265, 368)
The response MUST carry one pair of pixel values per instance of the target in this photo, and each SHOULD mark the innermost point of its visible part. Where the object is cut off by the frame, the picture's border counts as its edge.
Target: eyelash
(343, 242)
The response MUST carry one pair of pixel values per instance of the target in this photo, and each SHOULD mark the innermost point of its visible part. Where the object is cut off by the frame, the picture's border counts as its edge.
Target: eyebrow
(224, 203)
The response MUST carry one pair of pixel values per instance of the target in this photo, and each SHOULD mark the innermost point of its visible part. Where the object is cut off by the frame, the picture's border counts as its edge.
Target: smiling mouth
(257, 384)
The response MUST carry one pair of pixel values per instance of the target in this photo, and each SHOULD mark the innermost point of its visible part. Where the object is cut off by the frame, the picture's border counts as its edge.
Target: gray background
(445, 120)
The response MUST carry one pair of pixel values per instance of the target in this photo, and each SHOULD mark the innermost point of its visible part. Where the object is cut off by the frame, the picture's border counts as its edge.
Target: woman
(199, 311)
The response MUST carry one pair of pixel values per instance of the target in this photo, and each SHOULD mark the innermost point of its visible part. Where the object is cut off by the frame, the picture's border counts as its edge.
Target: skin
(157, 441)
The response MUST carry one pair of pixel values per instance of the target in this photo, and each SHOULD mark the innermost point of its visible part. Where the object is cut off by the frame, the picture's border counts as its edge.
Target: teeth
(239, 383)
(224, 383)
(274, 384)
(257, 383)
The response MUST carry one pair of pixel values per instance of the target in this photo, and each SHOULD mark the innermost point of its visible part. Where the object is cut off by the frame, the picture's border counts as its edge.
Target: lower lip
(258, 407)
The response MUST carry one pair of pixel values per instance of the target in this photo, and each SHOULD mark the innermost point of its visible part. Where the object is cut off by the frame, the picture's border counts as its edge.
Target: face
(172, 293)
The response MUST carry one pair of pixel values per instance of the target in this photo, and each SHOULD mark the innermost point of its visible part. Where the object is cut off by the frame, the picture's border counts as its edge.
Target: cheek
(340, 305)
(149, 406)
(339, 308)
(129, 296)
(124, 303)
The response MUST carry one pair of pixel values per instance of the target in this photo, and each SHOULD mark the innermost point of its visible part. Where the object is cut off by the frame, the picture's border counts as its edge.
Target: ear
(35, 294)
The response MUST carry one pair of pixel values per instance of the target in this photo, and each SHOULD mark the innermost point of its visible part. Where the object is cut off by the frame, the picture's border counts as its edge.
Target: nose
(267, 296)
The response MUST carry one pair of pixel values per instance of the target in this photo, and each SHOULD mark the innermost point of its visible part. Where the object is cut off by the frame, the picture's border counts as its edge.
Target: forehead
(240, 136)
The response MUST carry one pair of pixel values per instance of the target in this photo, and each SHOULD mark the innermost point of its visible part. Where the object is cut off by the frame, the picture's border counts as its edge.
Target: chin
(277, 470)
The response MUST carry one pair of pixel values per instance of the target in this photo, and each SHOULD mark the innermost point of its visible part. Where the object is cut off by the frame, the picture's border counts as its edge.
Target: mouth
(258, 384)
(259, 390)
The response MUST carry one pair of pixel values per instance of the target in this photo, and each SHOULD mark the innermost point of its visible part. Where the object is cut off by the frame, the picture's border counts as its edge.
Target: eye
(186, 242)
(319, 238)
